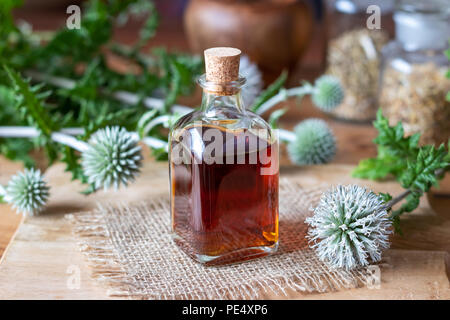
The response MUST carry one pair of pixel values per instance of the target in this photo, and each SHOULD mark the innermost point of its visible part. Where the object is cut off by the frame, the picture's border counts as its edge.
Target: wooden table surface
(354, 140)
(44, 251)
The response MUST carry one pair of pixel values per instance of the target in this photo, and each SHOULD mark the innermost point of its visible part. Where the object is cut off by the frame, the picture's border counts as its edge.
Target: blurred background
(346, 38)
(190, 25)
(278, 35)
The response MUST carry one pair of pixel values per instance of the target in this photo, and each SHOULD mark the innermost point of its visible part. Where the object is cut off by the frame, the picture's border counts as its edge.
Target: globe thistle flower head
(314, 143)
(254, 82)
(27, 192)
(328, 93)
(112, 158)
(350, 227)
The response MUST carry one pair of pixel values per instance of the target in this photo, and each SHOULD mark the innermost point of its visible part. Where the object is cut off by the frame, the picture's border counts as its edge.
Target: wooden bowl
(273, 33)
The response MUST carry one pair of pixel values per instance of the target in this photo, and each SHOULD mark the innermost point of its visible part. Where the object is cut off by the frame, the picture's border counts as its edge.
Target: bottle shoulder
(227, 118)
(199, 132)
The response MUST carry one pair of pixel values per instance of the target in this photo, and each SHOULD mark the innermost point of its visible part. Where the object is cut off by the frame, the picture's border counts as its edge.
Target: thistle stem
(286, 135)
(397, 199)
(65, 137)
(70, 141)
(283, 94)
(60, 137)
(155, 103)
(153, 123)
(406, 193)
(156, 143)
(122, 96)
(149, 102)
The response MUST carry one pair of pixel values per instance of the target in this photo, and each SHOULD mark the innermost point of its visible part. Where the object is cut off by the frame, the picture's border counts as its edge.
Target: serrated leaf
(386, 197)
(270, 91)
(175, 85)
(72, 161)
(29, 103)
(144, 120)
(6, 96)
(412, 202)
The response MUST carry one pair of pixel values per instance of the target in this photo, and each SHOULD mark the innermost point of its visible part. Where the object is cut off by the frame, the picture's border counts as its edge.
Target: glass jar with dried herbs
(413, 77)
(354, 54)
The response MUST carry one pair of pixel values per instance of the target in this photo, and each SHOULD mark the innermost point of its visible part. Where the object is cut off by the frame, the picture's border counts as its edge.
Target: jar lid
(422, 25)
(360, 6)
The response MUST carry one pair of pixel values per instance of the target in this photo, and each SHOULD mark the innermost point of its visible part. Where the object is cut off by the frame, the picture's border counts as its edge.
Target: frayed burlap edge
(109, 267)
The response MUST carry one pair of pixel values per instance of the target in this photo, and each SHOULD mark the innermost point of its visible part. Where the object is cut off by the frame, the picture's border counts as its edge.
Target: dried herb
(354, 58)
(417, 98)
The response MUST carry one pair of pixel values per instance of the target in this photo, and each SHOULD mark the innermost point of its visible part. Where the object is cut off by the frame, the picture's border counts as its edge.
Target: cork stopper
(222, 66)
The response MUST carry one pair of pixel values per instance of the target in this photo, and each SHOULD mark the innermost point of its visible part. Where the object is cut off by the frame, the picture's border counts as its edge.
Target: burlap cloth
(130, 250)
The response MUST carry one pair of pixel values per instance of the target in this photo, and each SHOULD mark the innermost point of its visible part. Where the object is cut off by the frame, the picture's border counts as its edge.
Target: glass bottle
(354, 54)
(413, 82)
(223, 172)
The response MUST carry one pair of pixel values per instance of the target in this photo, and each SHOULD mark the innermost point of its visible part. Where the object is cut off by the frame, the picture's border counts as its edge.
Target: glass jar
(348, 15)
(413, 78)
(354, 54)
(223, 172)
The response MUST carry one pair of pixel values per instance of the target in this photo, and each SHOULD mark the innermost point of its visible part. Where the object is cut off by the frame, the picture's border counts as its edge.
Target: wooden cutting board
(44, 255)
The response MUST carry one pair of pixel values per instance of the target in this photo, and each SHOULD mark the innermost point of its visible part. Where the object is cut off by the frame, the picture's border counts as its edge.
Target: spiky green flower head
(328, 93)
(314, 143)
(350, 227)
(113, 158)
(27, 192)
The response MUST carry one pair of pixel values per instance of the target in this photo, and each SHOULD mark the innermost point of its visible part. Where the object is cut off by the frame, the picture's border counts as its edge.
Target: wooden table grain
(44, 254)
(9, 220)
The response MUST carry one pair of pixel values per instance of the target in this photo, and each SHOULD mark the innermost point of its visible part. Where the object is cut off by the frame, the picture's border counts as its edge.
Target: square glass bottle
(223, 172)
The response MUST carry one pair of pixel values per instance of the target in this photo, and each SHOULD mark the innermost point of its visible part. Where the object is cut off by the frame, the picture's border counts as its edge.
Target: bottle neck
(212, 101)
(221, 95)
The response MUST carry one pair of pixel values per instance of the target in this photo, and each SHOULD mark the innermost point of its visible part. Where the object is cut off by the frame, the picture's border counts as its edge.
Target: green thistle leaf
(416, 168)
(270, 91)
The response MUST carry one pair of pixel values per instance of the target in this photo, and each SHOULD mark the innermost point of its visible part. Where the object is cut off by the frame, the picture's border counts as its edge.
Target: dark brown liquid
(223, 209)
